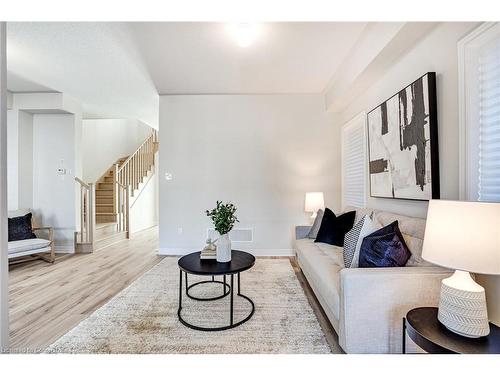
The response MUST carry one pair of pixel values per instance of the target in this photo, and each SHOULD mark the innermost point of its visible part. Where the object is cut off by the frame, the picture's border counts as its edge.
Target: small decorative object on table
(209, 251)
(224, 218)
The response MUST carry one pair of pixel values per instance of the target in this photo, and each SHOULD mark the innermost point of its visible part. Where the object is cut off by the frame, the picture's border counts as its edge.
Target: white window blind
(479, 113)
(489, 122)
(354, 162)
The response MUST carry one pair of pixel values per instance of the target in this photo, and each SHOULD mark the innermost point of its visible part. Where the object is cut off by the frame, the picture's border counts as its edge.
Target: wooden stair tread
(104, 225)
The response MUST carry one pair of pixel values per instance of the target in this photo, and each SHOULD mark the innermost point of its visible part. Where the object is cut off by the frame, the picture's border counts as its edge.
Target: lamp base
(462, 306)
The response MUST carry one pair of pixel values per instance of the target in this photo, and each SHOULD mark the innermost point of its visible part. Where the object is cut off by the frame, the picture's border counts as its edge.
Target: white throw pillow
(369, 226)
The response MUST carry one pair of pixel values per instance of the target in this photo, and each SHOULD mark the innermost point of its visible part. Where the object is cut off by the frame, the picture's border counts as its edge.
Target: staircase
(105, 197)
(105, 205)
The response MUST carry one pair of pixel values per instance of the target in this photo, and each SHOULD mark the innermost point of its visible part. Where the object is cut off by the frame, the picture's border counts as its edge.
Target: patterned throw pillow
(354, 238)
(313, 233)
(350, 242)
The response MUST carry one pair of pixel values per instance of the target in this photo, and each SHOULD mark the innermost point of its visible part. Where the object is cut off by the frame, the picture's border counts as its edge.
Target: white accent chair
(43, 248)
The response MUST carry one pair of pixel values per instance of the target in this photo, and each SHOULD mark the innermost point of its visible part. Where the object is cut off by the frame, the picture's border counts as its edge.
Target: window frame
(467, 109)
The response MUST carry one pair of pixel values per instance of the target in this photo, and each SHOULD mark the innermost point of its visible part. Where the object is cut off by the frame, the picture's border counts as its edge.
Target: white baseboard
(256, 252)
(64, 249)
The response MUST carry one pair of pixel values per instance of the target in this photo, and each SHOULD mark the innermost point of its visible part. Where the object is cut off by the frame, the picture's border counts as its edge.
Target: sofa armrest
(301, 231)
(375, 300)
(49, 230)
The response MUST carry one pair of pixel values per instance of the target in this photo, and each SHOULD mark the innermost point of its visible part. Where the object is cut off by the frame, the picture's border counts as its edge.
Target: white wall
(262, 152)
(104, 141)
(437, 52)
(20, 159)
(53, 194)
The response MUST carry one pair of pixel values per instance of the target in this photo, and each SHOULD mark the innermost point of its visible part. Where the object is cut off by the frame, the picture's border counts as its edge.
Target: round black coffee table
(191, 263)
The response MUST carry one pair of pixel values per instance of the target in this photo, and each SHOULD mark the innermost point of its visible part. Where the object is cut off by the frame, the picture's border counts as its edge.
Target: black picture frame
(433, 138)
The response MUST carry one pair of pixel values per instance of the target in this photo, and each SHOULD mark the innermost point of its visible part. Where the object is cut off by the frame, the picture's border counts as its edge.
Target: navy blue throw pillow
(333, 228)
(20, 228)
(384, 248)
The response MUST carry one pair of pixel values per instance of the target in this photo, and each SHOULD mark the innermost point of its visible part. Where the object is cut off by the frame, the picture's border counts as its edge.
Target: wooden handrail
(83, 183)
(151, 136)
(130, 175)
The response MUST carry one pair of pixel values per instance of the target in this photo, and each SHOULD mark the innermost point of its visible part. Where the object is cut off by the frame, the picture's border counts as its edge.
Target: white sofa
(42, 247)
(366, 305)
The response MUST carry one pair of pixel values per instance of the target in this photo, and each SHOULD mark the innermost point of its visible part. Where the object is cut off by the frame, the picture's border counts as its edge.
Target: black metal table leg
(404, 336)
(228, 289)
(180, 291)
(213, 278)
(231, 313)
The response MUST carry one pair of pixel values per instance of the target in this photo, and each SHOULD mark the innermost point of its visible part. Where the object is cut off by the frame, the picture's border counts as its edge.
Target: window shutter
(489, 123)
(354, 162)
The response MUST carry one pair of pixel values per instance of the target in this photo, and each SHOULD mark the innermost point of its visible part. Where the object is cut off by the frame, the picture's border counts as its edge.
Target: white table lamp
(464, 236)
(314, 201)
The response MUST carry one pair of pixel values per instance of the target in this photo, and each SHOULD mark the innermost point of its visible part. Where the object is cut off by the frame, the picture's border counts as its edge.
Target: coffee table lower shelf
(228, 289)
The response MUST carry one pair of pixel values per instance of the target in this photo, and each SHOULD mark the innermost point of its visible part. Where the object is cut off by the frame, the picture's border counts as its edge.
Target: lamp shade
(314, 201)
(463, 236)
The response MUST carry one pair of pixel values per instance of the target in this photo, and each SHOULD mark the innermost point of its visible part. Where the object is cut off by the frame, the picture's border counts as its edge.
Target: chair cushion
(27, 245)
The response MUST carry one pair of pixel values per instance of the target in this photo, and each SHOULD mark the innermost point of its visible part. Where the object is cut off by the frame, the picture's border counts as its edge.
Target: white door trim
(4, 263)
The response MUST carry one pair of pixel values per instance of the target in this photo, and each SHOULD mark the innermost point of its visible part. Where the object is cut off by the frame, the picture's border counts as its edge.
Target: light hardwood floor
(47, 300)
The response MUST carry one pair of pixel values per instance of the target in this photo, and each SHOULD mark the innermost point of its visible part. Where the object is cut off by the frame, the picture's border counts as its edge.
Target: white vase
(224, 249)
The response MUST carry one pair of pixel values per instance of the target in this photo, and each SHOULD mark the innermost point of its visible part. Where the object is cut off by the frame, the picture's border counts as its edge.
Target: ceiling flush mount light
(244, 33)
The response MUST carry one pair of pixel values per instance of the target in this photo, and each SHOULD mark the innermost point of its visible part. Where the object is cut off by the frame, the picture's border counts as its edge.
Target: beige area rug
(143, 317)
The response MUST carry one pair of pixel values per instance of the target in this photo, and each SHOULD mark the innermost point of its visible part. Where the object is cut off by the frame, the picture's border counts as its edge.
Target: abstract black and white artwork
(403, 148)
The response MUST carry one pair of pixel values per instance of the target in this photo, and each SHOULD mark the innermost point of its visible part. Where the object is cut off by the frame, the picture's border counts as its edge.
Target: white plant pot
(224, 249)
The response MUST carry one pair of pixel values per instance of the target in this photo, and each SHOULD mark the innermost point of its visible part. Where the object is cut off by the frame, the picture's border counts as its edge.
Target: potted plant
(223, 216)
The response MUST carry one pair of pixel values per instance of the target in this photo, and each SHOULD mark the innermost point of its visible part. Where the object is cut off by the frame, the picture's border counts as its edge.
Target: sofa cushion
(27, 245)
(333, 252)
(319, 263)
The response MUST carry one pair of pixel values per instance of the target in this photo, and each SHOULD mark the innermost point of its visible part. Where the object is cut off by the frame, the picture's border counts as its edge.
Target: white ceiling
(95, 63)
(201, 58)
(117, 70)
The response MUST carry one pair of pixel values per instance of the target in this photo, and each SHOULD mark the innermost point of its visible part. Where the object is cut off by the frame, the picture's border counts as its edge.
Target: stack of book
(208, 254)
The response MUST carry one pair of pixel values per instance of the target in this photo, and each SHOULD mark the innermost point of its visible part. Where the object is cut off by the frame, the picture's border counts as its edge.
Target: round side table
(424, 328)
(192, 264)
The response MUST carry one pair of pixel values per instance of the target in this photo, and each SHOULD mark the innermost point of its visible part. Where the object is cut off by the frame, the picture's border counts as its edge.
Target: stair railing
(137, 165)
(123, 208)
(87, 211)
